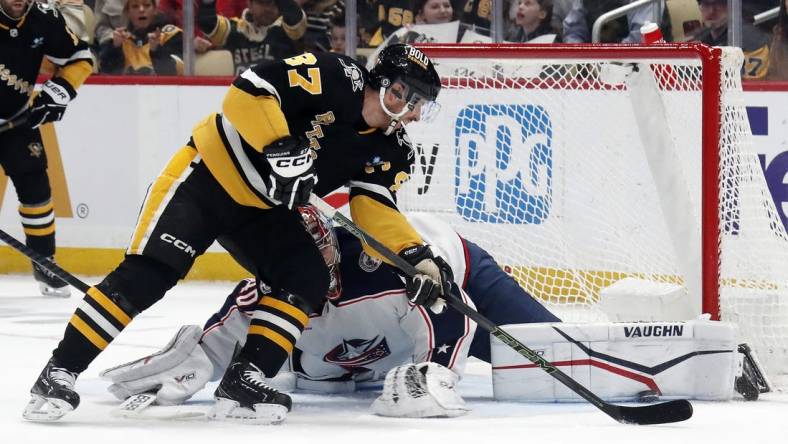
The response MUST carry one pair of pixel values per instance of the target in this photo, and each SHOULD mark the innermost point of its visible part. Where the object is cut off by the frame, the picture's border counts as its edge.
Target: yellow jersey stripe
(88, 332)
(76, 73)
(158, 191)
(108, 305)
(40, 231)
(34, 211)
(383, 223)
(258, 119)
(216, 157)
(273, 336)
(284, 307)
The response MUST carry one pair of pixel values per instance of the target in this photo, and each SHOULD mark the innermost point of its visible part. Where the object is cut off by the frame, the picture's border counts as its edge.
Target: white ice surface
(31, 326)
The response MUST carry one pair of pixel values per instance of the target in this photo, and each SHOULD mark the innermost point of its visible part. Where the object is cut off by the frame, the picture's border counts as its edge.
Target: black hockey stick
(665, 412)
(44, 261)
(13, 123)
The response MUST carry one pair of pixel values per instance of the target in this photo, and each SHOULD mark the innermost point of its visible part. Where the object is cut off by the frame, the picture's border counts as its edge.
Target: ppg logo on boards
(504, 166)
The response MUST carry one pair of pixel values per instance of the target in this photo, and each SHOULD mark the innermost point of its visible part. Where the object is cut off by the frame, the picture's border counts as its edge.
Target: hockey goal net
(580, 166)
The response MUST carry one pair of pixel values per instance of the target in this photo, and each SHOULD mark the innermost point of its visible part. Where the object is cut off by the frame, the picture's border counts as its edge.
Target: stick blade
(662, 413)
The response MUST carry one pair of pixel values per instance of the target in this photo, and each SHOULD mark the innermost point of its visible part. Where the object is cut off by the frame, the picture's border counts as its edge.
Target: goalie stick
(13, 123)
(666, 412)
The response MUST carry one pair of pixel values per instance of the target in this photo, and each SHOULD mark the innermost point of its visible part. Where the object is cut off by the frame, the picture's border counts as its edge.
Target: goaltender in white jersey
(367, 331)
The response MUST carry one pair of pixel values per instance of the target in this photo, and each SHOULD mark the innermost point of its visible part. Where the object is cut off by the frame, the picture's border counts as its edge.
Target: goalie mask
(323, 234)
(415, 73)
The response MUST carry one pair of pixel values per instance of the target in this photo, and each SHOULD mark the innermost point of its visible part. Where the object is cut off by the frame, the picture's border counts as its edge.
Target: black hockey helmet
(410, 66)
(404, 64)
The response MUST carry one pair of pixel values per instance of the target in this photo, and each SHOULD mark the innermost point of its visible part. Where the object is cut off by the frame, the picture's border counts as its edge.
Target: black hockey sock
(275, 328)
(136, 284)
(95, 323)
(38, 222)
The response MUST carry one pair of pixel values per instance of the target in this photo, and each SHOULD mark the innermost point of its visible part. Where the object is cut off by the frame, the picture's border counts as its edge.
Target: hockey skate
(53, 395)
(245, 396)
(49, 284)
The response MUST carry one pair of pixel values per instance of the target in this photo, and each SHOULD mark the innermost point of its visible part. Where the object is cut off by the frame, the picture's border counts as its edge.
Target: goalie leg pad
(425, 390)
(620, 361)
(175, 373)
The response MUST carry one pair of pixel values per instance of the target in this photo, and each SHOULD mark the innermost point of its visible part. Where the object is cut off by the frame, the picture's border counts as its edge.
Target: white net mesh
(576, 173)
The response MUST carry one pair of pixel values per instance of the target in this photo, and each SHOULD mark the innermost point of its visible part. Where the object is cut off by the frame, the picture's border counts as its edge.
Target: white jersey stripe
(248, 170)
(99, 319)
(276, 320)
(82, 54)
(377, 189)
(261, 83)
(38, 220)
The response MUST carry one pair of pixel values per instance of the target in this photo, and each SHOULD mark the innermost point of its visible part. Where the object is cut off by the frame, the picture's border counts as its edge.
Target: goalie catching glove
(293, 172)
(175, 373)
(50, 103)
(424, 390)
(433, 280)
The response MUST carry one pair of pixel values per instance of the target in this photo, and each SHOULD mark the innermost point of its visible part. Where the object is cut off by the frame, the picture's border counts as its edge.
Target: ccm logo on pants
(179, 244)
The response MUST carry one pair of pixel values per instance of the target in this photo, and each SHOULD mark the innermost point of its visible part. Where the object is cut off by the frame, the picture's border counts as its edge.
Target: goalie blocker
(633, 361)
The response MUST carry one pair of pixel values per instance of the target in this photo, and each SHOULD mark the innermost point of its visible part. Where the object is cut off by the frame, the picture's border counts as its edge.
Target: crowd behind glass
(146, 37)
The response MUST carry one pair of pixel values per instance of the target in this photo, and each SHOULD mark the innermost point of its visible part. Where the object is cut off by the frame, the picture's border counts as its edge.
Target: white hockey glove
(424, 390)
(50, 103)
(293, 172)
(175, 373)
(433, 281)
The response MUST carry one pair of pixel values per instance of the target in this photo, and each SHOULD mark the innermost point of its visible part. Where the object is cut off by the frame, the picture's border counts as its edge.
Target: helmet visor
(414, 98)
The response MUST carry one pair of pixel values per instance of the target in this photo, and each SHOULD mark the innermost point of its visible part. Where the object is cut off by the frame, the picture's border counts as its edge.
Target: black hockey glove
(50, 103)
(293, 172)
(433, 281)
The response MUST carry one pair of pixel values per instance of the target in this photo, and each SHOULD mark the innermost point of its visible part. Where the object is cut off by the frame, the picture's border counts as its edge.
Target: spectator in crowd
(580, 20)
(319, 16)
(336, 34)
(146, 46)
(778, 62)
(477, 15)
(110, 15)
(231, 8)
(431, 12)
(268, 29)
(392, 15)
(755, 44)
(560, 9)
(533, 19)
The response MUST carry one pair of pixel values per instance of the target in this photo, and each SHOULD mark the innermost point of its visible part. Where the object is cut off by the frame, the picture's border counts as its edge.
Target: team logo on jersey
(36, 149)
(354, 74)
(368, 263)
(402, 138)
(358, 352)
(38, 41)
(504, 163)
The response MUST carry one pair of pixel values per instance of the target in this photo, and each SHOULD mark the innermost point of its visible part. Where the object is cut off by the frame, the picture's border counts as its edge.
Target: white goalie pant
(621, 361)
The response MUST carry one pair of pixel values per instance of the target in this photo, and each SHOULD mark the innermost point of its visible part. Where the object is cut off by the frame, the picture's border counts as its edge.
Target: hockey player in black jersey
(283, 125)
(29, 32)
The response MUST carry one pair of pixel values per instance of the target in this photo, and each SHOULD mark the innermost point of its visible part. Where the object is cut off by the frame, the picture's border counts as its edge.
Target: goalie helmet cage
(577, 166)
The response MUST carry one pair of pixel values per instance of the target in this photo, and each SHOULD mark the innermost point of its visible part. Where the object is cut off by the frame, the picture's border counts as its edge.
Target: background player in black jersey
(283, 125)
(28, 32)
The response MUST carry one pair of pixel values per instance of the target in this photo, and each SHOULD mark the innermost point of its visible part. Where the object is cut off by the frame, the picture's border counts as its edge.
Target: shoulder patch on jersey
(402, 138)
(353, 72)
(368, 263)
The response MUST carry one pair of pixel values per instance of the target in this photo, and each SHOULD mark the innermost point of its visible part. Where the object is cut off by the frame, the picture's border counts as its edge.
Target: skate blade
(263, 414)
(46, 290)
(42, 409)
